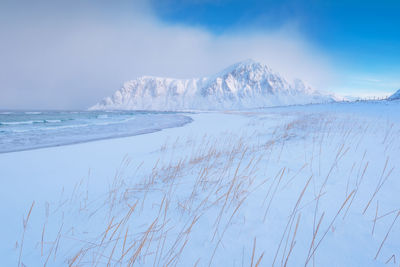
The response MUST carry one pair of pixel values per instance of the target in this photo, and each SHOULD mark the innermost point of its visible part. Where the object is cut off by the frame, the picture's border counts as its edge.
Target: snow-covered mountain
(247, 84)
(395, 96)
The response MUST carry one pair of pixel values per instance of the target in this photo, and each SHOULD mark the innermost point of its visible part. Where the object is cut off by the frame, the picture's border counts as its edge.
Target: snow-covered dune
(247, 84)
(312, 185)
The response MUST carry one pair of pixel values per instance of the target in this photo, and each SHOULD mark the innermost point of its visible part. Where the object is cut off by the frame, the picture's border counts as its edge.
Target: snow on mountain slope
(247, 84)
(395, 96)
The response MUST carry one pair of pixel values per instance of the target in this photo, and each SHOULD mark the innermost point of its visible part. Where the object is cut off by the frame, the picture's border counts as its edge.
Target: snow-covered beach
(313, 185)
(199, 133)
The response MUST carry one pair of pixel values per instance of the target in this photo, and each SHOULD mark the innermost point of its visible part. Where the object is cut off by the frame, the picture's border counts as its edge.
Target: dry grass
(155, 215)
(25, 222)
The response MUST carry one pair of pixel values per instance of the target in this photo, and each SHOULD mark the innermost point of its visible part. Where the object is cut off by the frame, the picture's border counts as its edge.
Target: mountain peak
(246, 84)
(247, 62)
(243, 67)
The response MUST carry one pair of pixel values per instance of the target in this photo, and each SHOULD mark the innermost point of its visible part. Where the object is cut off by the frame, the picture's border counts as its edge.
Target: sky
(70, 54)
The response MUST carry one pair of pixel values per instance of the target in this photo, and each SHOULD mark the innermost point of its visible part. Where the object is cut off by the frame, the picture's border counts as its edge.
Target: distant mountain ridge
(247, 84)
(395, 96)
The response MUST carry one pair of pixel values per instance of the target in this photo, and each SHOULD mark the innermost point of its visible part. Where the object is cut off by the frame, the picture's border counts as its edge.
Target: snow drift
(247, 84)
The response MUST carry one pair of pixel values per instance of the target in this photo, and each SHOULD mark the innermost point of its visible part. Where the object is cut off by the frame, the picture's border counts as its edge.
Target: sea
(24, 130)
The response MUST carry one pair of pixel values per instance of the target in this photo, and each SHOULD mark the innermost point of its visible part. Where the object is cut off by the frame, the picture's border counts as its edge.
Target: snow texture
(313, 185)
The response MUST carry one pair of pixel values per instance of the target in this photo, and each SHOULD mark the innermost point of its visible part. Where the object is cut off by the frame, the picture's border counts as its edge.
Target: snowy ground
(306, 185)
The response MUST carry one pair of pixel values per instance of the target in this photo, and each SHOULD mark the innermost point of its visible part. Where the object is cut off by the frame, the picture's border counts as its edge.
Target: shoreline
(139, 132)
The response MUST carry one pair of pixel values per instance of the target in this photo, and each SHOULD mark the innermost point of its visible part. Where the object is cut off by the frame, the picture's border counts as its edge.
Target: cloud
(70, 56)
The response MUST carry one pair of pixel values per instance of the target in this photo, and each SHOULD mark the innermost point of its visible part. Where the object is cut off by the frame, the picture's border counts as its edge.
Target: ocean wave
(28, 122)
(33, 112)
(67, 127)
(20, 133)
(20, 122)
